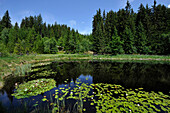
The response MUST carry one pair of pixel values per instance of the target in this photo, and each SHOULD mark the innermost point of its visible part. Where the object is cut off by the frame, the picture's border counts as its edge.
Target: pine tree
(52, 33)
(3, 50)
(38, 46)
(31, 37)
(27, 23)
(116, 44)
(6, 20)
(50, 45)
(13, 34)
(141, 41)
(121, 21)
(99, 45)
(111, 22)
(22, 25)
(31, 19)
(39, 24)
(44, 30)
(4, 36)
(19, 48)
(141, 15)
(128, 40)
(16, 27)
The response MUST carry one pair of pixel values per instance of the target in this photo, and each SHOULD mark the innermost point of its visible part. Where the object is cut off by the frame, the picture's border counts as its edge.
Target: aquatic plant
(42, 74)
(33, 88)
(22, 70)
(115, 98)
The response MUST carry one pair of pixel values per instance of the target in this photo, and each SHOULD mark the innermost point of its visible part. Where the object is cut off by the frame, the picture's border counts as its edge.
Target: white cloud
(85, 32)
(26, 13)
(72, 22)
(169, 6)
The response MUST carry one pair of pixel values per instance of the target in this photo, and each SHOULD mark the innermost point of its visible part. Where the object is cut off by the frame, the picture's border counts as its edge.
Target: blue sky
(77, 14)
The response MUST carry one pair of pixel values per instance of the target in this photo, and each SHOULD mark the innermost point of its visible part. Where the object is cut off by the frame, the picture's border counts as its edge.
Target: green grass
(9, 64)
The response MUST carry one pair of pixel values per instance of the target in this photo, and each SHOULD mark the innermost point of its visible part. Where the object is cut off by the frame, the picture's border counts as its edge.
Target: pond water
(89, 86)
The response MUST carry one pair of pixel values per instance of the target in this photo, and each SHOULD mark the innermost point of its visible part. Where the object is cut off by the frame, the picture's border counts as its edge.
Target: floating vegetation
(113, 98)
(33, 88)
(43, 74)
(41, 64)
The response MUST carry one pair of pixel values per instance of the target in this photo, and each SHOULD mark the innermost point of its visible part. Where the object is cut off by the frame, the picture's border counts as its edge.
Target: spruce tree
(38, 46)
(116, 44)
(141, 41)
(4, 36)
(19, 48)
(111, 22)
(98, 33)
(129, 42)
(13, 34)
(31, 37)
(6, 20)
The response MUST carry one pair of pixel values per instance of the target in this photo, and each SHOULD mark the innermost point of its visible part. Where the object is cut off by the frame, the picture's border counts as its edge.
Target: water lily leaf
(26, 90)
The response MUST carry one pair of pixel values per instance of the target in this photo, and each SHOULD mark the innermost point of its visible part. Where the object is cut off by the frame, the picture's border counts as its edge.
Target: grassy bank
(9, 64)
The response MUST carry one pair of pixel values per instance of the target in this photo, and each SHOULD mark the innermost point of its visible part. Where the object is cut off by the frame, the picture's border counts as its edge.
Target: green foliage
(61, 42)
(140, 32)
(3, 50)
(50, 45)
(116, 44)
(128, 39)
(4, 36)
(143, 32)
(33, 88)
(6, 20)
(98, 33)
(110, 98)
(38, 46)
(83, 46)
(19, 47)
(13, 34)
(31, 38)
(141, 40)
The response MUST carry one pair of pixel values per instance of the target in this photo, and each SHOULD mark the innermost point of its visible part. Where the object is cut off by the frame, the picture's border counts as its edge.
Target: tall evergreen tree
(141, 41)
(4, 36)
(6, 20)
(22, 25)
(116, 44)
(38, 46)
(98, 33)
(19, 47)
(31, 37)
(111, 22)
(128, 40)
(13, 36)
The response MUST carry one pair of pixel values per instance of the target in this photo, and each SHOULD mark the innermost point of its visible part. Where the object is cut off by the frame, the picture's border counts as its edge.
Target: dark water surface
(151, 77)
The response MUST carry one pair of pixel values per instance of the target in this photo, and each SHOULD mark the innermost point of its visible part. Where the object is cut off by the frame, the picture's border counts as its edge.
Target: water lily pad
(33, 88)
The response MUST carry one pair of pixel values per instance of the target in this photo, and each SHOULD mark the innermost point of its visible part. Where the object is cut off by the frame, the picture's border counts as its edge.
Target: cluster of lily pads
(33, 88)
(43, 74)
(112, 98)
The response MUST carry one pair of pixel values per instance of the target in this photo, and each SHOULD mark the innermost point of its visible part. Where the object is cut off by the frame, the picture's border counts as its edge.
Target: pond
(88, 86)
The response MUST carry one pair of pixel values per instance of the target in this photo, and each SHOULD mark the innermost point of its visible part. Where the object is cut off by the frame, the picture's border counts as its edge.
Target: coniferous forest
(146, 31)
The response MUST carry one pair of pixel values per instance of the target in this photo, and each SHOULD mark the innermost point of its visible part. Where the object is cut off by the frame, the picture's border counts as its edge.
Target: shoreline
(8, 64)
